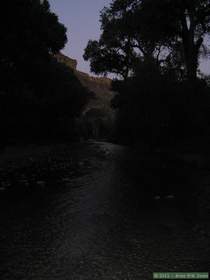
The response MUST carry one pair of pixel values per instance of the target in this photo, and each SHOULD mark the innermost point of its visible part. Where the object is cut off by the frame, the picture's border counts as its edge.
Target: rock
(98, 112)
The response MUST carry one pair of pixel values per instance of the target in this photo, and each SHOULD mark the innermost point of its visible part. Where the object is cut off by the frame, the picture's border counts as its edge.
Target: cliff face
(71, 63)
(98, 116)
(100, 86)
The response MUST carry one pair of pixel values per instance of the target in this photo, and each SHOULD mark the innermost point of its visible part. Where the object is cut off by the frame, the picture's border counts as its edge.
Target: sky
(81, 17)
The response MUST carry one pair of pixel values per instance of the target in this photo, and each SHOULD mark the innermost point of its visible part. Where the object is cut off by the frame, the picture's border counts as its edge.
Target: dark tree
(30, 34)
(117, 50)
(186, 22)
(29, 29)
(37, 93)
(169, 32)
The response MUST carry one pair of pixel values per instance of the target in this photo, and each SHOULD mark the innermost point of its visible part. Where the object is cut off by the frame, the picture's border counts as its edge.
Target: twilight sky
(81, 17)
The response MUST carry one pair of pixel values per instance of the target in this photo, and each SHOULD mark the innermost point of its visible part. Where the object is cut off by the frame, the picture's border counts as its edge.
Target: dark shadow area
(105, 178)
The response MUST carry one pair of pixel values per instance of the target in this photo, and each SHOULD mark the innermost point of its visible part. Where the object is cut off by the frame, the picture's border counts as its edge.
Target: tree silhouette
(36, 92)
(169, 32)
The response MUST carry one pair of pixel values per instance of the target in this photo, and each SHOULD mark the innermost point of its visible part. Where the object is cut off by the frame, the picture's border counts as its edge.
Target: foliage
(170, 32)
(37, 94)
(155, 45)
(155, 111)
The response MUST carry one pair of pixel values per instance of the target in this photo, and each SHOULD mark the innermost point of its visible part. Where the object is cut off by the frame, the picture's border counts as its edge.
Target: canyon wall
(98, 112)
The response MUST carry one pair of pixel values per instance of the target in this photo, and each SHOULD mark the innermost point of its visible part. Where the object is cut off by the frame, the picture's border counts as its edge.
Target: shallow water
(93, 224)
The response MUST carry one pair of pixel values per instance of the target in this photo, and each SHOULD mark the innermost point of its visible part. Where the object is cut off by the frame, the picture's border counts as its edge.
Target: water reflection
(98, 223)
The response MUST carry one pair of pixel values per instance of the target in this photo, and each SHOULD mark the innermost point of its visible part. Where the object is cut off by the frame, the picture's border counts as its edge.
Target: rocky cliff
(101, 86)
(98, 114)
(71, 63)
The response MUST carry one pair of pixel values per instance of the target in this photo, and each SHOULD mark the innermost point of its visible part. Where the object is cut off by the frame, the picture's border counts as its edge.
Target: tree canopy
(155, 47)
(167, 32)
(30, 28)
(36, 92)
(30, 34)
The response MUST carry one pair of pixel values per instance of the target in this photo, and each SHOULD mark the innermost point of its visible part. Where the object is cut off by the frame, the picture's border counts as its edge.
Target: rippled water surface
(92, 225)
